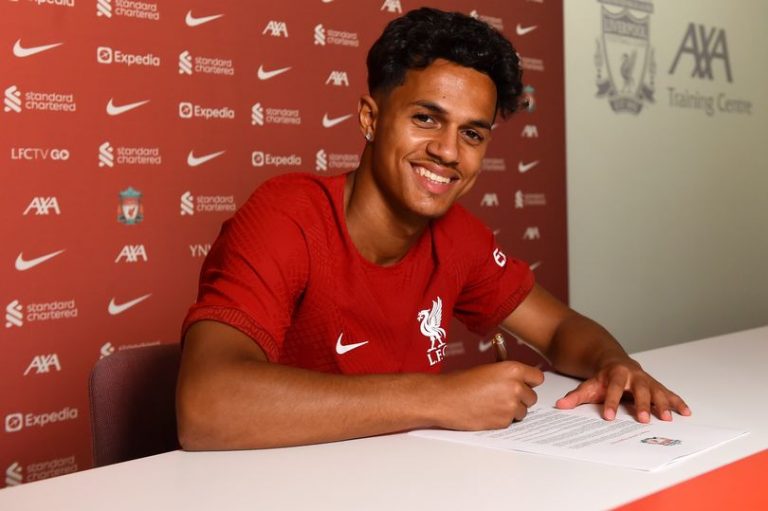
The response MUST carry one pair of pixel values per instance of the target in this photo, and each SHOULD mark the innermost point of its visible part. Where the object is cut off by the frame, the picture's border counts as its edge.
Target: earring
(369, 136)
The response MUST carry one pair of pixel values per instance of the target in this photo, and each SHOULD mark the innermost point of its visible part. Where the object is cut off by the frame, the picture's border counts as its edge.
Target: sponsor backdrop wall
(132, 129)
(667, 176)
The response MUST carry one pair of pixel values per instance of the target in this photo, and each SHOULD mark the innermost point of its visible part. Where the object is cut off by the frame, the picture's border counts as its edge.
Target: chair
(132, 399)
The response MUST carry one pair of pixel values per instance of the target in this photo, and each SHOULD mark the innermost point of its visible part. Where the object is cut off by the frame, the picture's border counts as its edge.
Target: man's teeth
(432, 176)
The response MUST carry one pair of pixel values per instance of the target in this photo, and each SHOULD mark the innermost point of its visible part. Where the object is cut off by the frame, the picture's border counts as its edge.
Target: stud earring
(369, 136)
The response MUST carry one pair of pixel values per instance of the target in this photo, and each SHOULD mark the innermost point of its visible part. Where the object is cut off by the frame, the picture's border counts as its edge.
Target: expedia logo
(189, 110)
(261, 115)
(15, 422)
(126, 8)
(57, 3)
(262, 159)
(107, 55)
(327, 36)
(335, 161)
(39, 153)
(16, 101)
(205, 65)
(625, 60)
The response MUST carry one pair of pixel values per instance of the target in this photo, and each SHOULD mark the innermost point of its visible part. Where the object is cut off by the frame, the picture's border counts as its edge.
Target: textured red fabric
(285, 272)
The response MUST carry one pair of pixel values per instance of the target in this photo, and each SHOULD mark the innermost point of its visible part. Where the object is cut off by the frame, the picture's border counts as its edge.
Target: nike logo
(330, 123)
(525, 167)
(22, 52)
(192, 21)
(266, 75)
(484, 346)
(24, 265)
(521, 30)
(115, 308)
(194, 161)
(346, 348)
(535, 265)
(113, 109)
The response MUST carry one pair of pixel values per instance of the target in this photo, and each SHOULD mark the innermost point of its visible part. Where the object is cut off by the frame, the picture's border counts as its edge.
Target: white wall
(668, 208)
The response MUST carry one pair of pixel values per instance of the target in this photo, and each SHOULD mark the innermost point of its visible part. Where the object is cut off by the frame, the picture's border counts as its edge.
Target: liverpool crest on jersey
(430, 328)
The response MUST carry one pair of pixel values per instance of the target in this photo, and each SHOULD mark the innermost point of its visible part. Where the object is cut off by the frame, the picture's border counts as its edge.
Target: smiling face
(430, 135)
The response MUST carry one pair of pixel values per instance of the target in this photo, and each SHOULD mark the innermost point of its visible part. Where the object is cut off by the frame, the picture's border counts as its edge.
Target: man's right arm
(230, 397)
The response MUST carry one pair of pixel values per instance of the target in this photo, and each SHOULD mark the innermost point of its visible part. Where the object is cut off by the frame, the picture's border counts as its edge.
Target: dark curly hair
(421, 36)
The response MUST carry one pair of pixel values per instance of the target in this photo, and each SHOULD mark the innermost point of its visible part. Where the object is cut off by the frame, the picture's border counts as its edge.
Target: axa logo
(132, 254)
(704, 45)
(530, 131)
(106, 155)
(276, 29)
(430, 321)
(185, 63)
(392, 6)
(489, 200)
(338, 79)
(43, 206)
(12, 99)
(187, 203)
(14, 314)
(43, 364)
(532, 233)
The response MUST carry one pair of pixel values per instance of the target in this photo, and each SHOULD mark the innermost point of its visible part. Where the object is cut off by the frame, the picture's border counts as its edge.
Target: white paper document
(582, 434)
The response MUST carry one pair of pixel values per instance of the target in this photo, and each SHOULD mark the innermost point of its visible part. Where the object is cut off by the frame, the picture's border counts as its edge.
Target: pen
(501, 347)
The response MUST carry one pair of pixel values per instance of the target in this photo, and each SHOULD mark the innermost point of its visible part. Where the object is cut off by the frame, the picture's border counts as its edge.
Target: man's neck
(380, 235)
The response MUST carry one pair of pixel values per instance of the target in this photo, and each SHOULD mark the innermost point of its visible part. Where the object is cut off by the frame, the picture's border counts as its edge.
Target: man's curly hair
(421, 36)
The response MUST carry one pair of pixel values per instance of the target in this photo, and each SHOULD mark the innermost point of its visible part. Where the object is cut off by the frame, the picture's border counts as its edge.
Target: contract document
(582, 434)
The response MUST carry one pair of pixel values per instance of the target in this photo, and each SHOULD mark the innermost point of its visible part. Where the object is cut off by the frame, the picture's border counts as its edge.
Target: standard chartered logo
(12, 100)
(13, 474)
(257, 115)
(185, 63)
(104, 8)
(187, 204)
(320, 35)
(106, 350)
(106, 155)
(321, 161)
(14, 315)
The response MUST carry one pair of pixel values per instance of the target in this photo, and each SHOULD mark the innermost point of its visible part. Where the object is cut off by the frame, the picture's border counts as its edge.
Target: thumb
(589, 391)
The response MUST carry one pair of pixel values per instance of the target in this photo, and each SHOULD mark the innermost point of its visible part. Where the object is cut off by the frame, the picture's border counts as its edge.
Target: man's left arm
(577, 346)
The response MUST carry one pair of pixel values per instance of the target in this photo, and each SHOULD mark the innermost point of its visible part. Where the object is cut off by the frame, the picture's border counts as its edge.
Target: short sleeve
(495, 286)
(255, 272)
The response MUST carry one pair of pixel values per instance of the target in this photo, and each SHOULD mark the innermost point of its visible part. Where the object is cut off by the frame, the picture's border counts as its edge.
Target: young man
(323, 304)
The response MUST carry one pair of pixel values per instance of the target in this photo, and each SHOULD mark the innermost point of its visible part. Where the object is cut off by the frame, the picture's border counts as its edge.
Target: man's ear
(367, 113)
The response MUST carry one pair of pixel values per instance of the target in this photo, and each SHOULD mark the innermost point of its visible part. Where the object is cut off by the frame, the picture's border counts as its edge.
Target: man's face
(431, 134)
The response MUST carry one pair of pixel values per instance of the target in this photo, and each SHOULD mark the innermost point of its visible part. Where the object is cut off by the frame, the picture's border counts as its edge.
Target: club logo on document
(624, 57)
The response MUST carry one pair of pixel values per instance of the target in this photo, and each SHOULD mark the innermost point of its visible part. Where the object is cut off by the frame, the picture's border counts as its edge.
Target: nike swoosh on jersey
(193, 21)
(115, 308)
(535, 265)
(266, 75)
(521, 30)
(330, 123)
(346, 348)
(20, 51)
(484, 346)
(194, 161)
(23, 265)
(525, 167)
(113, 109)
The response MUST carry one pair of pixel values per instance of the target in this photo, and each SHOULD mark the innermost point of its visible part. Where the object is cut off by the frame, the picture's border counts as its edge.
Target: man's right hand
(491, 396)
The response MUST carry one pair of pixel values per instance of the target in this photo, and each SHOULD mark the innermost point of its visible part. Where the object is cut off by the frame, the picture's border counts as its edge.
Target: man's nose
(444, 146)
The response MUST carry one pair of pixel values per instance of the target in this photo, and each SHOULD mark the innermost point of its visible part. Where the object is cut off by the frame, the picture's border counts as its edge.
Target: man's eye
(423, 119)
(474, 136)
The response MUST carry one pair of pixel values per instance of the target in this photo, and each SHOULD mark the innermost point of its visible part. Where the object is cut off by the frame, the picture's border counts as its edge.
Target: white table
(723, 379)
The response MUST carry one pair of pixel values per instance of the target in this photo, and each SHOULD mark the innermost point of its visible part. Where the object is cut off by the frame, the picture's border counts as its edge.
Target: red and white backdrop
(132, 128)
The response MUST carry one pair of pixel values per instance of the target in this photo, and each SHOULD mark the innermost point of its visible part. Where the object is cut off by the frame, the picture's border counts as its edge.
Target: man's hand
(490, 396)
(625, 375)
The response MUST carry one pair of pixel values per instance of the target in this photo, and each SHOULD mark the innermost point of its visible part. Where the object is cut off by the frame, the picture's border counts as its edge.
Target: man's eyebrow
(434, 107)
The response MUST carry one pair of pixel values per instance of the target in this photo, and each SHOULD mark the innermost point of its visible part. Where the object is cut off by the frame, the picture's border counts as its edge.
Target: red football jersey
(285, 272)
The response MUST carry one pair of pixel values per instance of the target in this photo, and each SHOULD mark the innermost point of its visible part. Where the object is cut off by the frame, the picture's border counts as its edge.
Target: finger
(528, 397)
(589, 391)
(677, 404)
(661, 404)
(613, 395)
(642, 397)
(532, 376)
(520, 413)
